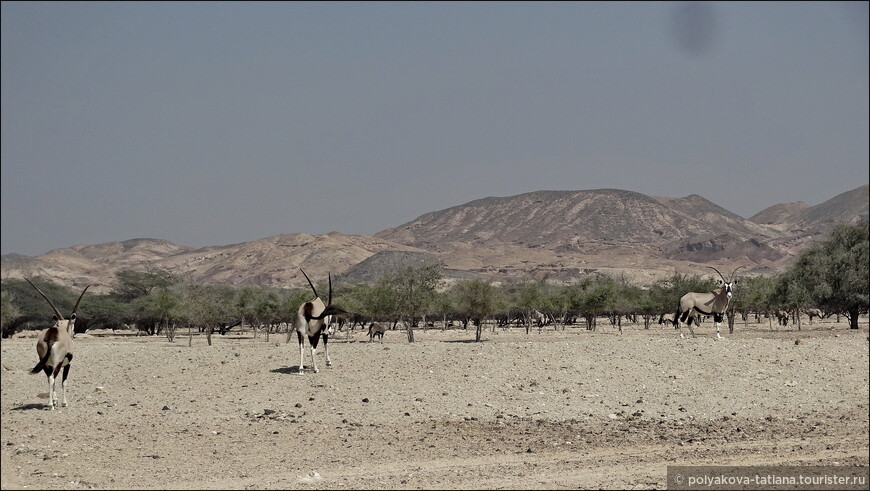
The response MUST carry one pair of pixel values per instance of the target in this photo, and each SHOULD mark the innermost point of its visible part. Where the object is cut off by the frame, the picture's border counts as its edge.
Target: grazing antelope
(378, 330)
(54, 346)
(666, 319)
(313, 321)
(781, 317)
(710, 303)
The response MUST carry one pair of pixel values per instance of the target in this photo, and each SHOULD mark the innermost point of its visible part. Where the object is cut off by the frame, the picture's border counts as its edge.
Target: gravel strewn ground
(551, 410)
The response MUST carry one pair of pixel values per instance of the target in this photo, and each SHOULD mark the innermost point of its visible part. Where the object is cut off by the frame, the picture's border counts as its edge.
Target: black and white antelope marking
(313, 321)
(709, 303)
(54, 346)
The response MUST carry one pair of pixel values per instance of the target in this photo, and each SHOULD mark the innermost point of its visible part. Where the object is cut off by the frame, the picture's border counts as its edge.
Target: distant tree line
(833, 275)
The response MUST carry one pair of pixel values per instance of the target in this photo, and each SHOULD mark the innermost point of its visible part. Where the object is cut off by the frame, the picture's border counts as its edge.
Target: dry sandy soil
(551, 410)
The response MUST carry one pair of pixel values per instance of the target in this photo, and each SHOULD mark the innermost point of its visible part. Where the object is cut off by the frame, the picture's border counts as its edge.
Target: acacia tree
(442, 305)
(404, 294)
(791, 294)
(627, 301)
(836, 272)
(204, 306)
(757, 295)
(134, 284)
(416, 287)
(381, 302)
(646, 307)
(528, 296)
(267, 311)
(246, 306)
(163, 306)
(592, 296)
(478, 300)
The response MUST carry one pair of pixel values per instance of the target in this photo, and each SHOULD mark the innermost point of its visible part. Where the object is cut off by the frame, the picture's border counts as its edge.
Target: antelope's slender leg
(63, 383)
(326, 349)
(301, 352)
(313, 354)
(52, 396)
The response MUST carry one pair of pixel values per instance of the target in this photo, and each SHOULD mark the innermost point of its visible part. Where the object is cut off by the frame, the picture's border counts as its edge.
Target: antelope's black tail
(41, 365)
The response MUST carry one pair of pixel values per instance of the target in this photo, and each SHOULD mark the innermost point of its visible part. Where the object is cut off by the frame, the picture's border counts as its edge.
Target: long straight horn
(76, 308)
(330, 289)
(310, 283)
(720, 274)
(56, 312)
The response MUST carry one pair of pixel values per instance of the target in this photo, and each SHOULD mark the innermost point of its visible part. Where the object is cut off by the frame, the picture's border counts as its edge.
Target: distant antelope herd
(54, 344)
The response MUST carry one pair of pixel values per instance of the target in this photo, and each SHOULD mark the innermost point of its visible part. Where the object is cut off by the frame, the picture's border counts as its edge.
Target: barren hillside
(558, 234)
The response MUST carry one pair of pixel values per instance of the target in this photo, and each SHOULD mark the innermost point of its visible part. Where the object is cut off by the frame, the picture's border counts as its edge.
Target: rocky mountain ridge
(560, 235)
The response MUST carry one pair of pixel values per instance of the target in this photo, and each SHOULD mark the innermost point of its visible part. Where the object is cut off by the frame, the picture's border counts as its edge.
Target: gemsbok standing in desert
(378, 330)
(709, 303)
(313, 321)
(55, 348)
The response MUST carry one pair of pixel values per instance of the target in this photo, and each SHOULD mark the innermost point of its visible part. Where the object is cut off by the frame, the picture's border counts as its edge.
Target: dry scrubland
(572, 409)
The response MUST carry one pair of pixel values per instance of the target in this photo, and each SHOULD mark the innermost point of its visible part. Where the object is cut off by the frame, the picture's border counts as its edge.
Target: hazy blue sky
(218, 123)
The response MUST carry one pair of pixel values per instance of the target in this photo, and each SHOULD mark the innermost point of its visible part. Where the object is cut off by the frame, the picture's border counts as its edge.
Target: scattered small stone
(311, 477)
(298, 404)
(365, 399)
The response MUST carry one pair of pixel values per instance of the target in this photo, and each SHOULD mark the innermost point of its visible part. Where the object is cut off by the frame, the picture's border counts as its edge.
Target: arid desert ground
(551, 410)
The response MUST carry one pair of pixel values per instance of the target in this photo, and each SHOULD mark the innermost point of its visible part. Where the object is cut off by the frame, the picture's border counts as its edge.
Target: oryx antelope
(667, 318)
(55, 348)
(313, 321)
(710, 303)
(378, 330)
(541, 319)
(814, 313)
